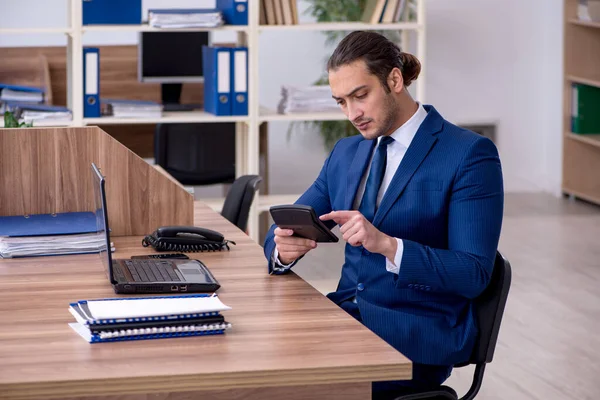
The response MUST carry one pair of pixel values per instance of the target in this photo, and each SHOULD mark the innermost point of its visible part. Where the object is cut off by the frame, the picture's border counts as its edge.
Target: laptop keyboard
(151, 271)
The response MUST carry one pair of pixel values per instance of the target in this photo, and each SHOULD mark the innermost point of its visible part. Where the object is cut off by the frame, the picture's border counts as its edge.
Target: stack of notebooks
(120, 319)
(185, 18)
(131, 108)
(306, 99)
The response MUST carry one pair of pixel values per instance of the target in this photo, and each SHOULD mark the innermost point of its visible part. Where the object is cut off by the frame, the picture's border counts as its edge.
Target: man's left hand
(357, 231)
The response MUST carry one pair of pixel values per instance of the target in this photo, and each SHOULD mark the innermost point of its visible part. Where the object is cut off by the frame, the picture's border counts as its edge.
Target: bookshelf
(581, 152)
(247, 137)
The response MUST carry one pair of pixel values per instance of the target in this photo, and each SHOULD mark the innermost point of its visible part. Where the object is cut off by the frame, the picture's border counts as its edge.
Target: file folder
(111, 12)
(239, 81)
(235, 12)
(217, 79)
(48, 224)
(91, 82)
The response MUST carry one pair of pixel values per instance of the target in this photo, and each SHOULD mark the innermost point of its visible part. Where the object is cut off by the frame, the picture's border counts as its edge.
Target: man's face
(363, 99)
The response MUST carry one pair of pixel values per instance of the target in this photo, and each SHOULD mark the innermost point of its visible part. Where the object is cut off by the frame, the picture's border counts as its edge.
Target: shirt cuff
(278, 266)
(394, 267)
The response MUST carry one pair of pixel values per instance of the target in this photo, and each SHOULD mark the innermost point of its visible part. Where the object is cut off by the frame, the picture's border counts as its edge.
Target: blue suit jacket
(446, 203)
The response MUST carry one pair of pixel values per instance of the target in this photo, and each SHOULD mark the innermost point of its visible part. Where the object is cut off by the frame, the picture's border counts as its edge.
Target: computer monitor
(171, 59)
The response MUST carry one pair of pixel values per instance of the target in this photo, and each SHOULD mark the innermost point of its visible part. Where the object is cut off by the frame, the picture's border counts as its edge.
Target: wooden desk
(287, 341)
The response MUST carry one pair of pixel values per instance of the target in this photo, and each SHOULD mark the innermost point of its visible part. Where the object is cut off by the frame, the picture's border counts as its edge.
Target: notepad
(121, 308)
(116, 319)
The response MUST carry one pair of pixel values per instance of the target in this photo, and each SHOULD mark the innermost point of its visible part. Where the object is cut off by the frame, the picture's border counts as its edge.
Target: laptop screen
(102, 219)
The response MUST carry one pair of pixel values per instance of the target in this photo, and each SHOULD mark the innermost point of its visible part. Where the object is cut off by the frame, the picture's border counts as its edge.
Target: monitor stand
(171, 95)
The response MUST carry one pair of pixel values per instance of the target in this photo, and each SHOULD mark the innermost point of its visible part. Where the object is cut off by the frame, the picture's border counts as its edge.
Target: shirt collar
(405, 134)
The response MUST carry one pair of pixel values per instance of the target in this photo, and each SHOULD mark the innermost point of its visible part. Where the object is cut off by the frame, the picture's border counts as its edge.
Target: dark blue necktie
(368, 204)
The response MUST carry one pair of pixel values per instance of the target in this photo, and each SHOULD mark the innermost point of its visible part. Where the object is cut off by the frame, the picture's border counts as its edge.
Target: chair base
(441, 393)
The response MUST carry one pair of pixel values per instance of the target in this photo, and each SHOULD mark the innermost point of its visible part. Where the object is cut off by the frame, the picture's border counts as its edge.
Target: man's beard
(390, 116)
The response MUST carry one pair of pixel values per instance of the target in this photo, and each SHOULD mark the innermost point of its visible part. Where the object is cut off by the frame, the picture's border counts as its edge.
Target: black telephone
(186, 239)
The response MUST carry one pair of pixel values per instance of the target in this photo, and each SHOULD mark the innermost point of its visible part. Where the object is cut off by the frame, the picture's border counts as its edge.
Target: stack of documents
(118, 319)
(306, 99)
(38, 114)
(21, 93)
(49, 234)
(185, 18)
(51, 245)
(131, 108)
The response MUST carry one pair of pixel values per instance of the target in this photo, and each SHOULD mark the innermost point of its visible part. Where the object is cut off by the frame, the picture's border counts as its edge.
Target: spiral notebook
(117, 319)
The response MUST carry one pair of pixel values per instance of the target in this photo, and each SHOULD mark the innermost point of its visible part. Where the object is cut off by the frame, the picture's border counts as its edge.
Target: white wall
(488, 61)
(502, 61)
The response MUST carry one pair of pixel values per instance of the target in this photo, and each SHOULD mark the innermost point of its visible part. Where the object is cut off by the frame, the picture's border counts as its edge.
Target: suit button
(422, 287)
(428, 288)
(360, 287)
(410, 285)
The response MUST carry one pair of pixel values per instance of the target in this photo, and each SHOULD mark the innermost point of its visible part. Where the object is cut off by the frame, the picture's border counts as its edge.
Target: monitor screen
(171, 57)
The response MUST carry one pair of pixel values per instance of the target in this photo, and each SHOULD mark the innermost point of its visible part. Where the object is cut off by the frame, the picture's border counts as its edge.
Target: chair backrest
(489, 308)
(196, 154)
(239, 199)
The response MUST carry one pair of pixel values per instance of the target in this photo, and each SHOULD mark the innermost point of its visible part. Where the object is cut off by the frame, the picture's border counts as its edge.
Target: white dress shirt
(402, 136)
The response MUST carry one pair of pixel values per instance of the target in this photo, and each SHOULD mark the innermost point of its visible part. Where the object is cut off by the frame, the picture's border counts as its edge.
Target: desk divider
(47, 170)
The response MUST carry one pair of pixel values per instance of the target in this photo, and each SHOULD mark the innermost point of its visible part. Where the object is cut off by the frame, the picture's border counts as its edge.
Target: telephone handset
(186, 239)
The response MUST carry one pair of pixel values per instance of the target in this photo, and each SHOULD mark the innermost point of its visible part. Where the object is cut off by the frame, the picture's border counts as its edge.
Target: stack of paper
(131, 108)
(51, 245)
(38, 114)
(21, 93)
(117, 319)
(306, 99)
(185, 18)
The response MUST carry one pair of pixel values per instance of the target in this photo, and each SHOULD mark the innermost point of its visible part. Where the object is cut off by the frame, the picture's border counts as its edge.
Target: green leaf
(9, 120)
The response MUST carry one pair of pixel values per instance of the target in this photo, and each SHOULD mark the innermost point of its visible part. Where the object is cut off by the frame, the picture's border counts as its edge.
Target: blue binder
(110, 12)
(239, 81)
(91, 82)
(235, 12)
(216, 68)
(48, 224)
(30, 89)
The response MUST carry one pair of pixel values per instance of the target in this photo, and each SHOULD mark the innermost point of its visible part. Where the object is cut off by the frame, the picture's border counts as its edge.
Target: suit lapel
(357, 170)
(415, 154)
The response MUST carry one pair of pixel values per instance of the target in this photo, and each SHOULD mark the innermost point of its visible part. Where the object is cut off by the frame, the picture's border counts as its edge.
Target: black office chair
(489, 307)
(239, 199)
(197, 154)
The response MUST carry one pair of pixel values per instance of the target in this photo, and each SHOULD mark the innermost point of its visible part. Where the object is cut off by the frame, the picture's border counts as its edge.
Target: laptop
(147, 275)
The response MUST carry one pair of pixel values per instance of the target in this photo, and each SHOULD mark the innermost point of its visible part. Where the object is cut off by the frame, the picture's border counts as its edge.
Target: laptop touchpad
(192, 273)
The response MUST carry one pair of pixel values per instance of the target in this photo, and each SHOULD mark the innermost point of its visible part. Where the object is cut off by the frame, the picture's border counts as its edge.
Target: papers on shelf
(185, 18)
(131, 108)
(296, 99)
(38, 114)
(16, 95)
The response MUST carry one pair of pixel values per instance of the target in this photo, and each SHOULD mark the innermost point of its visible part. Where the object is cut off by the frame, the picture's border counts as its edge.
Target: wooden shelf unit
(581, 152)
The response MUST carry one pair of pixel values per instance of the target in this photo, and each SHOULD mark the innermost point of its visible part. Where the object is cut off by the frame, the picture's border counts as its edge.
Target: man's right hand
(289, 247)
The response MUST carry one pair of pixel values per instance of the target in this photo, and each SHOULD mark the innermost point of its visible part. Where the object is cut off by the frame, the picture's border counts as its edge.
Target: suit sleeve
(474, 221)
(316, 196)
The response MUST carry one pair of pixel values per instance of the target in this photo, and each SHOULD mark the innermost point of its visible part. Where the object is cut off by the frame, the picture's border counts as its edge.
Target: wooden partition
(48, 170)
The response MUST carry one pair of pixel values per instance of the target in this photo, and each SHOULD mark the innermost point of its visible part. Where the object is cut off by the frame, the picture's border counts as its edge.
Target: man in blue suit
(419, 202)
